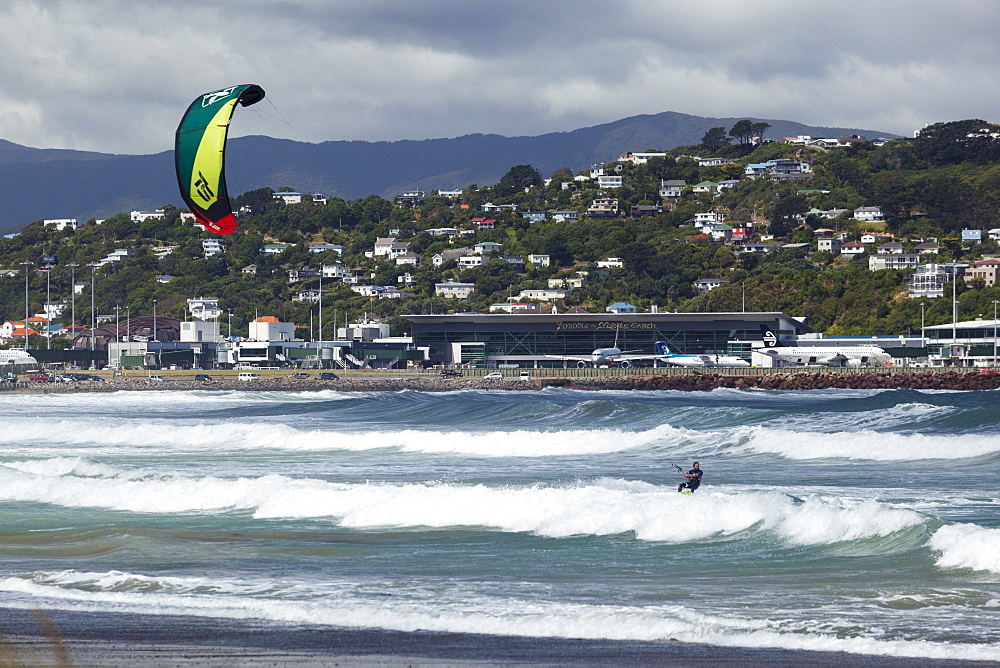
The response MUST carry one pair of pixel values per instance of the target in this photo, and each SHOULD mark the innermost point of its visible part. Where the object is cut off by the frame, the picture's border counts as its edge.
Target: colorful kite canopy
(199, 153)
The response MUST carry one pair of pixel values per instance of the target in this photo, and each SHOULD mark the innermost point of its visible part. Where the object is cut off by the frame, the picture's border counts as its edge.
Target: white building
(200, 332)
(539, 260)
(142, 216)
(869, 213)
(879, 262)
(269, 328)
(204, 308)
(61, 223)
(211, 247)
(454, 290)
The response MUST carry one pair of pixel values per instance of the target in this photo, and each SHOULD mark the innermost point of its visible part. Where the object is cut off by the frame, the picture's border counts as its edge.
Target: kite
(199, 153)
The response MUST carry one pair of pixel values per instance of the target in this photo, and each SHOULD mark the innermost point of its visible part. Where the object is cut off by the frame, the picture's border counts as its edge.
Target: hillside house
(143, 216)
(454, 290)
(322, 248)
(61, 223)
(439, 259)
(487, 247)
(211, 248)
(619, 308)
(638, 211)
(853, 248)
(703, 285)
(542, 295)
(610, 263)
(928, 280)
(539, 260)
(890, 248)
(639, 158)
(204, 308)
(605, 207)
(564, 216)
(672, 188)
(927, 248)
(984, 270)
(288, 198)
(869, 214)
(274, 249)
(972, 236)
(880, 261)
(609, 181)
(830, 245)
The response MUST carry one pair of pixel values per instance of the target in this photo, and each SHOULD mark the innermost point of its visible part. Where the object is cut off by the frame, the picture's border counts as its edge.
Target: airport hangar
(507, 341)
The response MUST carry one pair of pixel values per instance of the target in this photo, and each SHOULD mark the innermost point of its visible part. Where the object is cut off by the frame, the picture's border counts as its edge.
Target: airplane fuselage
(843, 356)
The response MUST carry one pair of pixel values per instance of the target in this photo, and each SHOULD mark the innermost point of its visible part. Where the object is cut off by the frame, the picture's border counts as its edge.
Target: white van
(525, 375)
(248, 376)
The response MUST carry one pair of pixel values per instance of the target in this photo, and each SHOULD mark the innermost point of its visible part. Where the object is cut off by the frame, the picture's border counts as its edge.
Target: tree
(517, 179)
(714, 139)
(742, 131)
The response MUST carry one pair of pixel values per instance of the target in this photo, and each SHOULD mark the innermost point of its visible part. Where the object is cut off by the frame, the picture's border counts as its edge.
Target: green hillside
(933, 187)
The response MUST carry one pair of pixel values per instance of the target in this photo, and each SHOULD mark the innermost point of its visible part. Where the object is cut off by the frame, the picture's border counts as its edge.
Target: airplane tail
(662, 348)
(769, 338)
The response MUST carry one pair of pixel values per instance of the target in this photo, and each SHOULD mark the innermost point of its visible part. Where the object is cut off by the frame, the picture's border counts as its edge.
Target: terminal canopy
(199, 154)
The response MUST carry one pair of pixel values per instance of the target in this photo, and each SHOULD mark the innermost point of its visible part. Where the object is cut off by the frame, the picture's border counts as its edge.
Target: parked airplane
(15, 356)
(605, 356)
(680, 359)
(851, 356)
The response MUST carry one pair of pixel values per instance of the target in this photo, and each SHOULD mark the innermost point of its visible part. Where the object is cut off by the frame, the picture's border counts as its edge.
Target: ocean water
(854, 521)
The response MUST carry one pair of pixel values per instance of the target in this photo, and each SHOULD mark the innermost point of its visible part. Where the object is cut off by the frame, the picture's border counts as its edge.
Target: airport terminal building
(538, 340)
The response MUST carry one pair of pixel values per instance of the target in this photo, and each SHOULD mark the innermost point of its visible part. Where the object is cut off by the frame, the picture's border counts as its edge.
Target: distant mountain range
(55, 183)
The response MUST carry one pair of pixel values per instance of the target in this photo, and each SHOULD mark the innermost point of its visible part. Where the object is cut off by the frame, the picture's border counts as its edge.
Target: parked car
(496, 375)
(9, 378)
(451, 372)
(525, 375)
(300, 374)
(247, 376)
(202, 377)
(327, 375)
(157, 379)
(40, 377)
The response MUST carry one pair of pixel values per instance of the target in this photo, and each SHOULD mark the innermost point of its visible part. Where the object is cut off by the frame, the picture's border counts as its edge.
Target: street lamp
(93, 316)
(72, 290)
(26, 270)
(154, 320)
(48, 306)
(995, 302)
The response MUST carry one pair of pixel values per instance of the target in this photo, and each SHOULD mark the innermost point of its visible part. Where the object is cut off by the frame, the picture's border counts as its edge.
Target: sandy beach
(85, 638)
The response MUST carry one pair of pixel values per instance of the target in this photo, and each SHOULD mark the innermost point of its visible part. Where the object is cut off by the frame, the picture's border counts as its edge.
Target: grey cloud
(114, 76)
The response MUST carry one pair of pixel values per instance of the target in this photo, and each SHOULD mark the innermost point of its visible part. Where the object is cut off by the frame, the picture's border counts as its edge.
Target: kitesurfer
(693, 478)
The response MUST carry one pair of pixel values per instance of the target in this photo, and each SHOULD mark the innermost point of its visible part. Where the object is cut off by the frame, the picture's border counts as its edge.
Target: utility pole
(26, 270)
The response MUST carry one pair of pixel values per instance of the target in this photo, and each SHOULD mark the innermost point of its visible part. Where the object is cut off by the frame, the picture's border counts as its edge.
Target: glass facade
(538, 336)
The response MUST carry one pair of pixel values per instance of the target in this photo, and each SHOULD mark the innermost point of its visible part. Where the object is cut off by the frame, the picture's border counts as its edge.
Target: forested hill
(36, 183)
(930, 189)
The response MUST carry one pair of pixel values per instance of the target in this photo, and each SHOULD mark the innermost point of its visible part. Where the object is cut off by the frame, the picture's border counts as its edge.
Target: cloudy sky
(115, 75)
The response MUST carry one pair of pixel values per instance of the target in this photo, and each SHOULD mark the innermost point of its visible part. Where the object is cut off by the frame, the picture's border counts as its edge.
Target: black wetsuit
(692, 483)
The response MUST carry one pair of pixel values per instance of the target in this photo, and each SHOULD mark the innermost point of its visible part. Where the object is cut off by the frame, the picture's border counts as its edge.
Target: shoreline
(389, 382)
(62, 637)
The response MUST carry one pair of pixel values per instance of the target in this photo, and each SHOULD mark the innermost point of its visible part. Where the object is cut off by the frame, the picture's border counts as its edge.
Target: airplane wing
(572, 358)
(650, 356)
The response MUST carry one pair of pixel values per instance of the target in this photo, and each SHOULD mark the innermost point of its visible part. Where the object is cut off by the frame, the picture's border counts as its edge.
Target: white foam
(865, 445)
(109, 435)
(603, 507)
(448, 610)
(967, 546)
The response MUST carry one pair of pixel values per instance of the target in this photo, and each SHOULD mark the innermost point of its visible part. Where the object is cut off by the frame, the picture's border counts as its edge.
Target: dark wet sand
(118, 639)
